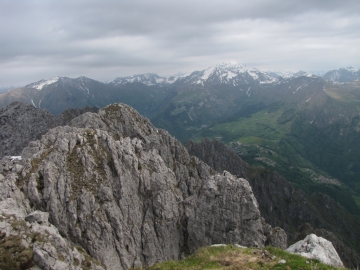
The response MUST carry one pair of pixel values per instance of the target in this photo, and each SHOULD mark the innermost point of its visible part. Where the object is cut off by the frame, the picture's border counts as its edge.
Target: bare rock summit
(121, 193)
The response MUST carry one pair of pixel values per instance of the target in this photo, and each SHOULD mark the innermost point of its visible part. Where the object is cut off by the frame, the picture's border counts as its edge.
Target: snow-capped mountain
(81, 83)
(42, 83)
(147, 79)
(229, 73)
(342, 75)
(293, 75)
(59, 93)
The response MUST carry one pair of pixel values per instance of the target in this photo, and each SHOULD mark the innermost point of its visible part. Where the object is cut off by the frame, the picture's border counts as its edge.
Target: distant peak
(40, 84)
(230, 64)
(352, 69)
(147, 79)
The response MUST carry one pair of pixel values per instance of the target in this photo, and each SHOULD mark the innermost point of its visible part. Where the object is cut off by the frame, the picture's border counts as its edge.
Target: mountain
(60, 93)
(342, 75)
(112, 191)
(231, 74)
(147, 79)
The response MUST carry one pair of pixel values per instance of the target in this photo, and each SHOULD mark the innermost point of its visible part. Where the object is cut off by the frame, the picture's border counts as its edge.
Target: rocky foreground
(112, 191)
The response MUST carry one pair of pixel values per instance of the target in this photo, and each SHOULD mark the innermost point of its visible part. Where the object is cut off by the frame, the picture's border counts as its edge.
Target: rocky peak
(130, 194)
(342, 75)
(147, 79)
(42, 83)
(231, 73)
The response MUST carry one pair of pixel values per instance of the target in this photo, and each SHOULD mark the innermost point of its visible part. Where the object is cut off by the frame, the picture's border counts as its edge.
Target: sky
(102, 40)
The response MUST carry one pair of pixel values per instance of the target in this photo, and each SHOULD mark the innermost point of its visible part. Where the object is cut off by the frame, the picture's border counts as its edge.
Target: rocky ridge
(128, 194)
(21, 123)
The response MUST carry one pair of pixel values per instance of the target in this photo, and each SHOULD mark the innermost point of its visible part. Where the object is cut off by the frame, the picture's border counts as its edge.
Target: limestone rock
(28, 240)
(121, 193)
(130, 194)
(314, 247)
(275, 237)
(38, 216)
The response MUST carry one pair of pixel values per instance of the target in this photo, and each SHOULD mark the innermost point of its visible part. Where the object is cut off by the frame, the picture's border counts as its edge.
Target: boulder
(314, 247)
(38, 216)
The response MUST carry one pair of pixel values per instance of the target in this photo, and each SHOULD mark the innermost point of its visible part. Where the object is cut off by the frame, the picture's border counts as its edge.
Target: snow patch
(207, 73)
(40, 85)
(247, 92)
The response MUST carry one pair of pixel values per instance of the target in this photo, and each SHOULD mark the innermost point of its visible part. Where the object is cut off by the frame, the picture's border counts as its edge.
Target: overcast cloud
(108, 39)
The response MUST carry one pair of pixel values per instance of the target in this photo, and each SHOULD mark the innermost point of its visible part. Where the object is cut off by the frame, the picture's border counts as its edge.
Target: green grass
(232, 257)
(262, 125)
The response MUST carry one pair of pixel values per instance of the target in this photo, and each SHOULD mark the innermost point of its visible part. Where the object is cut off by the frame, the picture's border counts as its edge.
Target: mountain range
(304, 127)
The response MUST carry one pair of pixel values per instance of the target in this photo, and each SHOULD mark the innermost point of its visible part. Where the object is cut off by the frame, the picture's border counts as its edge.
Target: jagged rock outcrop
(21, 123)
(284, 206)
(130, 194)
(314, 247)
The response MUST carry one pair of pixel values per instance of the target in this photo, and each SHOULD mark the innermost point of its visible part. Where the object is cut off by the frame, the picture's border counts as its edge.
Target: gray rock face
(28, 240)
(20, 124)
(314, 247)
(38, 216)
(130, 194)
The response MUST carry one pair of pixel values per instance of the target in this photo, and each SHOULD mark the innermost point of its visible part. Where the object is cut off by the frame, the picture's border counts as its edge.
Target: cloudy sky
(107, 39)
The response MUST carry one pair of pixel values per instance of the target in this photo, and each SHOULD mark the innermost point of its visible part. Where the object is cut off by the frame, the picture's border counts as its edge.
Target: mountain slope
(304, 128)
(282, 205)
(342, 75)
(60, 93)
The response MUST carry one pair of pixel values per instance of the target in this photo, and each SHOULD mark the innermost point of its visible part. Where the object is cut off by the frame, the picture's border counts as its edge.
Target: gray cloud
(106, 39)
